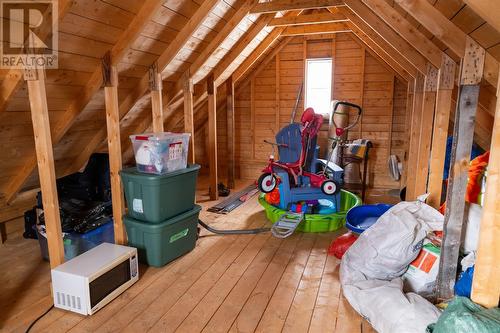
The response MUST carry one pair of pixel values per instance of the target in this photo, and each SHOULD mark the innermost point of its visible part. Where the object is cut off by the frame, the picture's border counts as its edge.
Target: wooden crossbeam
(486, 284)
(110, 80)
(212, 137)
(440, 131)
(117, 53)
(405, 49)
(45, 159)
(307, 19)
(487, 9)
(283, 5)
(311, 29)
(463, 133)
(446, 31)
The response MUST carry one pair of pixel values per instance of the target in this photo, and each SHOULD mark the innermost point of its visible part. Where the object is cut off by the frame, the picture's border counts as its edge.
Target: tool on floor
(234, 200)
(287, 224)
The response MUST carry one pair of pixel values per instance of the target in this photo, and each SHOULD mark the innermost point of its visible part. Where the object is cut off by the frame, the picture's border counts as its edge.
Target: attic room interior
(250, 166)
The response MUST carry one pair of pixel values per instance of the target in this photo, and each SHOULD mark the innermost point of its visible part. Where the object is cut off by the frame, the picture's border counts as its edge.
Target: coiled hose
(233, 232)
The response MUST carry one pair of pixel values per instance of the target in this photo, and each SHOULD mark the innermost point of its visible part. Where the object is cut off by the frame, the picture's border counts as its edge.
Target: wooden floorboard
(235, 283)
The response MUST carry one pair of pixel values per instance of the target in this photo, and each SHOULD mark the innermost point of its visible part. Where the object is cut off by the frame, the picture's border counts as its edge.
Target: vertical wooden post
(188, 115)
(277, 91)
(425, 138)
(408, 116)
(362, 89)
(389, 149)
(252, 114)
(45, 159)
(212, 136)
(445, 84)
(486, 282)
(110, 80)
(155, 85)
(416, 118)
(463, 134)
(230, 131)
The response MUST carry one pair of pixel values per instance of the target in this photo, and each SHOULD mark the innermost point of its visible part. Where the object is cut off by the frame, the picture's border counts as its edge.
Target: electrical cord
(37, 319)
(233, 232)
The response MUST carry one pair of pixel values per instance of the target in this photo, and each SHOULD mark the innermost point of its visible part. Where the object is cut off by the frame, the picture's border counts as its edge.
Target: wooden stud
(155, 85)
(362, 90)
(416, 121)
(463, 133)
(389, 140)
(252, 114)
(110, 80)
(307, 19)
(283, 5)
(45, 161)
(212, 137)
(277, 92)
(188, 115)
(445, 30)
(230, 131)
(409, 113)
(440, 131)
(486, 284)
(425, 137)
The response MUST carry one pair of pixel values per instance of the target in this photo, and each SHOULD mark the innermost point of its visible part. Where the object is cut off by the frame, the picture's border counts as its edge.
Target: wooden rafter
(14, 77)
(142, 87)
(487, 9)
(235, 19)
(93, 85)
(282, 5)
(384, 31)
(446, 31)
(307, 19)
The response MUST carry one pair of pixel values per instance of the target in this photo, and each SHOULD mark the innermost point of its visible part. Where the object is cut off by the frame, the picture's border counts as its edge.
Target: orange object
(273, 197)
(476, 170)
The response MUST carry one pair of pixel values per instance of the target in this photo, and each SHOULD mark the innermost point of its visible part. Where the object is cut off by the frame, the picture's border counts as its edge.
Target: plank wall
(358, 77)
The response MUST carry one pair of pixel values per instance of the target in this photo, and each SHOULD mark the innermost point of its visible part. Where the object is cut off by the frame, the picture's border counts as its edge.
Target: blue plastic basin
(360, 218)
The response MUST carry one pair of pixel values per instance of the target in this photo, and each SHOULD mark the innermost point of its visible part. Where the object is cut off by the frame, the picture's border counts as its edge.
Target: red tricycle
(296, 143)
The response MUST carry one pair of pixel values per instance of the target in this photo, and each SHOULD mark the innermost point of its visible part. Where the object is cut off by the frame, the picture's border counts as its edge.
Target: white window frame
(306, 90)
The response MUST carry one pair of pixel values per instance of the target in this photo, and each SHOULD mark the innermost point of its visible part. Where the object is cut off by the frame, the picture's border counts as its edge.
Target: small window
(319, 84)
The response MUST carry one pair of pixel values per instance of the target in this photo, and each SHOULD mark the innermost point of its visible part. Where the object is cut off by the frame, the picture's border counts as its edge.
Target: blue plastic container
(360, 218)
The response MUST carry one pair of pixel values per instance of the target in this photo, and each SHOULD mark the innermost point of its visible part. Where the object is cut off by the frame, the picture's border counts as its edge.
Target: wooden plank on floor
(238, 257)
(299, 316)
(248, 285)
(233, 285)
(274, 317)
(325, 310)
(347, 318)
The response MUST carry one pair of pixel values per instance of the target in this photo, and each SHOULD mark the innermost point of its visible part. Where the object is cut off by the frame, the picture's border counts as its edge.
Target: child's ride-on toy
(296, 145)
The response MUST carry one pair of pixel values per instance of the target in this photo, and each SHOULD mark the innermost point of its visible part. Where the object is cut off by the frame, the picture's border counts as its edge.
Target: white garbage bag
(370, 270)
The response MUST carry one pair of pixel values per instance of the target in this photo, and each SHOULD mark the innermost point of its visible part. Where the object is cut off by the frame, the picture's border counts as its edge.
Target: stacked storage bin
(162, 217)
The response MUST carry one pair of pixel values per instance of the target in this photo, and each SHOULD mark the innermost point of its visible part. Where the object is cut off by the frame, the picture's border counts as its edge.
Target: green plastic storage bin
(156, 198)
(317, 222)
(159, 244)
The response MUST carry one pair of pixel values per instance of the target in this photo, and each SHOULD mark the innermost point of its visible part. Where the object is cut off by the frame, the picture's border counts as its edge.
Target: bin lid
(134, 173)
(130, 221)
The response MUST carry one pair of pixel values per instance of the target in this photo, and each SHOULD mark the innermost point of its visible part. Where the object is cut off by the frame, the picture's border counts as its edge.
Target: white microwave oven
(88, 282)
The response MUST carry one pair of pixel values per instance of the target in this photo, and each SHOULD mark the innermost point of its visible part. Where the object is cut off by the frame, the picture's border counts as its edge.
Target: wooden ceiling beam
(312, 29)
(13, 78)
(141, 89)
(241, 12)
(117, 53)
(487, 9)
(446, 31)
(379, 45)
(283, 5)
(412, 35)
(307, 19)
(401, 46)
